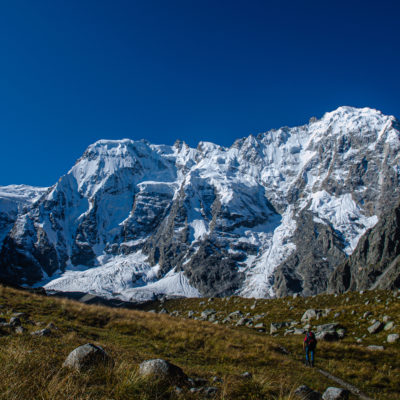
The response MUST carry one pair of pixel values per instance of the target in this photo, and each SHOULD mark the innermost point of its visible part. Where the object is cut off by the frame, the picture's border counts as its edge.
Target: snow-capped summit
(272, 214)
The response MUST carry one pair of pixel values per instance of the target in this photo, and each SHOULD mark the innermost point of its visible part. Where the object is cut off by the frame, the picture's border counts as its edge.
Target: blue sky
(73, 72)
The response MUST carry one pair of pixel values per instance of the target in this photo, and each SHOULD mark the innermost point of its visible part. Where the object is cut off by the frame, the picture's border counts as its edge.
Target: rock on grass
(88, 356)
(163, 370)
(334, 393)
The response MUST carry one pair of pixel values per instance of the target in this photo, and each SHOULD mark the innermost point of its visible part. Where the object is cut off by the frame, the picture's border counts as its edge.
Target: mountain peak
(270, 215)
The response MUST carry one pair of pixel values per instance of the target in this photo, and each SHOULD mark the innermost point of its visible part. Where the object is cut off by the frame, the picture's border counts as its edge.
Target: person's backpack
(310, 339)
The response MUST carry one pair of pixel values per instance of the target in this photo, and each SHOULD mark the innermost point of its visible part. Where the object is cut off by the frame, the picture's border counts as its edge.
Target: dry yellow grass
(30, 368)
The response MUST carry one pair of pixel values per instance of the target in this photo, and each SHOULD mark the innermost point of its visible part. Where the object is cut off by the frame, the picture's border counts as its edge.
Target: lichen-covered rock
(163, 370)
(88, 356)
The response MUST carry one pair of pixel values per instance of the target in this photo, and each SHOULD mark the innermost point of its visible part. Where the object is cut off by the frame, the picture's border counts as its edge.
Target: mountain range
(293, 210)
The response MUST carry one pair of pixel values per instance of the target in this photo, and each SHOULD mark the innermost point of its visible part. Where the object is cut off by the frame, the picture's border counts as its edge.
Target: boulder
(393, 338)
(334, 393)
(388, 326)
(88, 356)
(386, 318)
(376, 327)
(242, 321)
(373, 347)
(310, 314)
(275, 326)
(21, 330)
(246, 375)
(206, 313)
(41, 332)
(20, 315)
(15, 321)
(327, 336)
(341, 333)
(236, 314)
(163, 370)
(367, 314)
(303, 392)
(328, 327)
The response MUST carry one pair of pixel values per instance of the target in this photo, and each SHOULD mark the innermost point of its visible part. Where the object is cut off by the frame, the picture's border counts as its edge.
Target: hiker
(309, 345)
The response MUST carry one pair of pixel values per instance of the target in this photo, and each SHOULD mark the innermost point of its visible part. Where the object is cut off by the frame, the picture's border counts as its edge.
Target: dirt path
(355, 390)
(345, 385)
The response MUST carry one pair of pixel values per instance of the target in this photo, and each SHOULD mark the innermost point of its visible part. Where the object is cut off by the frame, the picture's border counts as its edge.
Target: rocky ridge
(274, 214)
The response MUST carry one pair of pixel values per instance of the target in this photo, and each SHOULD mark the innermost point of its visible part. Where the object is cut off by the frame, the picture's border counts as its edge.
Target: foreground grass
(30, 367)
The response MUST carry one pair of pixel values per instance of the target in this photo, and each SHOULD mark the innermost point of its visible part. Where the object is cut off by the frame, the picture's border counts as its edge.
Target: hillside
(213, 354)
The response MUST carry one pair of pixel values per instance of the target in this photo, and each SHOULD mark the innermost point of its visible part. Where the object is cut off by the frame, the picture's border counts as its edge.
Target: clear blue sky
(76, 71)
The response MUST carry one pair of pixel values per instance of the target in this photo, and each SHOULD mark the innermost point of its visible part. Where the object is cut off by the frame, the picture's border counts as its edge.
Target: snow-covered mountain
(271, 215)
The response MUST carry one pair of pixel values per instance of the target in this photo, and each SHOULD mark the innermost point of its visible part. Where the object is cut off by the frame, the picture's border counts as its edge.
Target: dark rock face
(307, 270)
(375, 264)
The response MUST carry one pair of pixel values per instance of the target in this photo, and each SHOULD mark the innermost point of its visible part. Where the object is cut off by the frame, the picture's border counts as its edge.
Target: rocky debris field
(359, 317)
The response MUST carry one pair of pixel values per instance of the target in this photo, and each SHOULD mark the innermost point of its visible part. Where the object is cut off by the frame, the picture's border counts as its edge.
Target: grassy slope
(31, 367)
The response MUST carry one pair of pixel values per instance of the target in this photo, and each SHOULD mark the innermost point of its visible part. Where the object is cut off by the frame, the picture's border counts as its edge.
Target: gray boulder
(275, 326)
(236, 314)
(42, 332)
(373, 347)
(163, 370)
(389, 326)
(243, 321)
(327, 336)
(328, 327)
(303, 392)
(334, 393)
(88, 356)
(393, 338)
(310, 314)
(376, 327)
(206, 313)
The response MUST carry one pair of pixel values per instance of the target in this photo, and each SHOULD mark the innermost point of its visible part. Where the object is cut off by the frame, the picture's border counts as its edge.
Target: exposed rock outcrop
(375, 264)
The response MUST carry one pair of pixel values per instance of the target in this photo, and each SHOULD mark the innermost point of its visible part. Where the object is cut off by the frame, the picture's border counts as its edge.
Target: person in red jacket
(309, 345)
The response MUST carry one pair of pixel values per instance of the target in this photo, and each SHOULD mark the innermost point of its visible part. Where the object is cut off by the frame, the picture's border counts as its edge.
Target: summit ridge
(271, 215)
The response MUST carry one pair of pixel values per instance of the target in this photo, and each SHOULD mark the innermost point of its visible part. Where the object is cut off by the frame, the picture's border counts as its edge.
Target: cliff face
(271, 215)
(375, 264)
